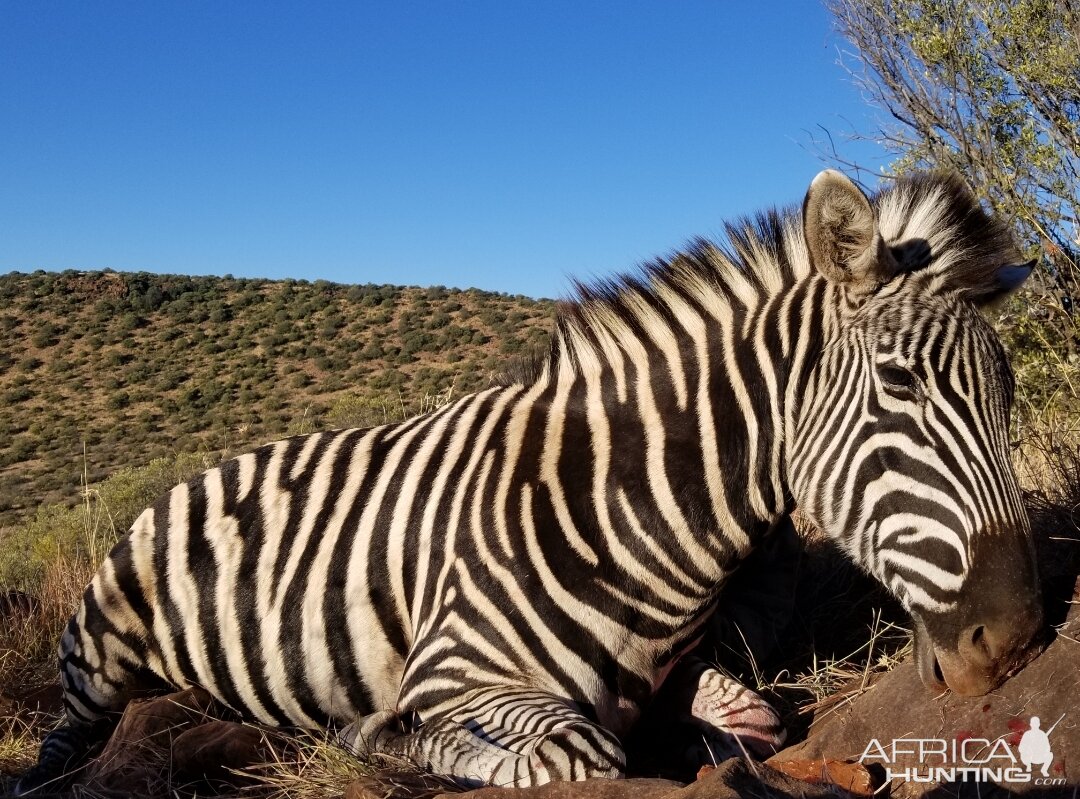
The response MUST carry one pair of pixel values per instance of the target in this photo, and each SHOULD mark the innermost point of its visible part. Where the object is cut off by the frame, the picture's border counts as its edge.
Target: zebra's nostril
(978, 638)
(977, 645)
(937, 672)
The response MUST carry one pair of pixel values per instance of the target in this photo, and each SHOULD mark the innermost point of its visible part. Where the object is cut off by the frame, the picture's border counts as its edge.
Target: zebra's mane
(762, 254)
(967, 245)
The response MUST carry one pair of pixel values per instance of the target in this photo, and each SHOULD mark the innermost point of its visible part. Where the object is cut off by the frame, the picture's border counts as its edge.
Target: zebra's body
(521, 569)
(301, 586)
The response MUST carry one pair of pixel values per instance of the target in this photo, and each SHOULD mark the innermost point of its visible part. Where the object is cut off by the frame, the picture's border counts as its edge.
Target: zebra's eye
(898, 378)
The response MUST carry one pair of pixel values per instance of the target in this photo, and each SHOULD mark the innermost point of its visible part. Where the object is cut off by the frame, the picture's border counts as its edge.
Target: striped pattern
(498, 588)
(916, 537)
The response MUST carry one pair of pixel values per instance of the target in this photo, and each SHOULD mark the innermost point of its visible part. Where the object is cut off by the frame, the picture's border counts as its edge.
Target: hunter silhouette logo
(969, 759)
(1035, 746)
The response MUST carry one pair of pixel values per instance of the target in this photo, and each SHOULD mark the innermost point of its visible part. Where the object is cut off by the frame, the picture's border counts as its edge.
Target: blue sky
(503, 145)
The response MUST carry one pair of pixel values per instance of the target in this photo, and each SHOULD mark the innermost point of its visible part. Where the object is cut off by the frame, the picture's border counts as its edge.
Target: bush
(89, 530)
(389, 378)
(45, 335)
(18, 394)
(438, 319)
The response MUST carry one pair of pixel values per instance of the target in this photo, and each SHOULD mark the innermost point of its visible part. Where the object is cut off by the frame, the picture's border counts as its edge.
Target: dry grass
(28, 659)
(28, 640)
(829, 684)
(19, 742)
(312, 767)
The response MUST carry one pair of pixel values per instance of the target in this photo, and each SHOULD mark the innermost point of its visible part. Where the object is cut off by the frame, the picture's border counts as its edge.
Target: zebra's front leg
(508, 737)
(730, 718)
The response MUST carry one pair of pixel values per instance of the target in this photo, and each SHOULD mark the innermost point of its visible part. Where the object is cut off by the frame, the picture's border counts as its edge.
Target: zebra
(496, 590)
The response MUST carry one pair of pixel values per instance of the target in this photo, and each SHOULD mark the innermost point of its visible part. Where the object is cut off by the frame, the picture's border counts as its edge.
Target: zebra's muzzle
(982, 657)
(993, 626)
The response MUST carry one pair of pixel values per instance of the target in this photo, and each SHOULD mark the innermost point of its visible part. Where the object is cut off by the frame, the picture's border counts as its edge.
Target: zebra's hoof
(363, 735)
(36, 782)
(733, 719)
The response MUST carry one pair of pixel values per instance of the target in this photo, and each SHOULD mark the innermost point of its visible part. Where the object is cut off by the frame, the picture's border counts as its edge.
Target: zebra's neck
(674, 399)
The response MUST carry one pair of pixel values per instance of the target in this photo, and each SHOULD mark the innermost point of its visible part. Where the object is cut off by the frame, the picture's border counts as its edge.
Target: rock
(393, 784)
(584, 789)
(733, 779)
(211, 752)
(852, 777)
(136, 760)
(898, 708)
(738, 778)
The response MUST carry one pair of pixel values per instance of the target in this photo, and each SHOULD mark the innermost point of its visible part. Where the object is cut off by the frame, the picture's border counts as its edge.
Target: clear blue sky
(503, 145)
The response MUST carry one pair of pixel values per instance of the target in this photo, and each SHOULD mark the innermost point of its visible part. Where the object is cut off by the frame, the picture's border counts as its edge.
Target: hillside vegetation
(103, 370)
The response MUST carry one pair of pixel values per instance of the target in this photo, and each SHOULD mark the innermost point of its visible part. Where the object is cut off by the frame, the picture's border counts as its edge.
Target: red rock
(898, 707)
(213, 751)
(389, 784)
(738, 778)
(733, 779)
(852, 777)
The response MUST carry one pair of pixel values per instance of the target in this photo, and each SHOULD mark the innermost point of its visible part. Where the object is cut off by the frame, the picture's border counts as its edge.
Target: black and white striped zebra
(498, 588)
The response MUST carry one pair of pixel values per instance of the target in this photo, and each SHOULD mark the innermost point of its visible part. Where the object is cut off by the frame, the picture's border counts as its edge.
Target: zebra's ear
(842, 234)
(1003, 282)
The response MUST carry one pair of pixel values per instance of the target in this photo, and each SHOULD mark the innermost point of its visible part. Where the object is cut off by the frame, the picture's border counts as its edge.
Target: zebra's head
(901, 447)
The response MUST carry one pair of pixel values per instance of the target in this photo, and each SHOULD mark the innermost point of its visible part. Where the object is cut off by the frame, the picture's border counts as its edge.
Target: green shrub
(18, 394)
(45, 335)
(91, 528)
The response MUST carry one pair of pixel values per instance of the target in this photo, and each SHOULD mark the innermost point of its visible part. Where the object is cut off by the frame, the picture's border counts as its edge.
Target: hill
(100, 370)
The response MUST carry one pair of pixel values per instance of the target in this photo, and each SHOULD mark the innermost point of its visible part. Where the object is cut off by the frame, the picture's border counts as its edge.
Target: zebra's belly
(284, 663)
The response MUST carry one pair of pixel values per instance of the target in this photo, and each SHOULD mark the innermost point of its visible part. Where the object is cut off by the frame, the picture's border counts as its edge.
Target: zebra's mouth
(926, 660)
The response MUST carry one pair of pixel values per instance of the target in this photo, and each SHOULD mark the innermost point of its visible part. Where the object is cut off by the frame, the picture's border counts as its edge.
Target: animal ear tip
(1006, 280)
(840, 227)
(826, 176)
(1015, 274)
